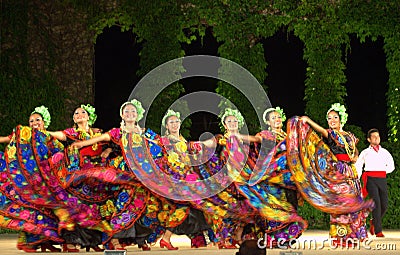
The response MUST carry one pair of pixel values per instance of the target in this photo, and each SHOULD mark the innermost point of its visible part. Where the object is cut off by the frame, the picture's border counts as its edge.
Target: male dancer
(377, 162)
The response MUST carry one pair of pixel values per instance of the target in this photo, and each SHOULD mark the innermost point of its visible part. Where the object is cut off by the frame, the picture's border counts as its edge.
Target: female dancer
(83, 117)
(131, 112)
(277, 179)
(272, 136)
(274, 215)
(39, 119)
(231, 153)
(29, 241)
(344, 226)
(195, 223)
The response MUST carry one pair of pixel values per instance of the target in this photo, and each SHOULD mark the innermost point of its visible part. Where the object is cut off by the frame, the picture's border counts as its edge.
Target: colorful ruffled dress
(127, 170)
(143, 156)
(269, 180)
(151, 164)
(95, 180)
(349, 225)
(88, 157)
(234, 204)
(178, 160)
(41, 175)
(326, 178)
(26, 204)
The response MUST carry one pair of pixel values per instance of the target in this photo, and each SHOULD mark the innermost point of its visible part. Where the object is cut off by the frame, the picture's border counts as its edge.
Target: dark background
(117, 61)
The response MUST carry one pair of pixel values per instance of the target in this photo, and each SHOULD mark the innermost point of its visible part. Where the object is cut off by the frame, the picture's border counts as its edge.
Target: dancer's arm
(356, 154)
(389, 163)
(103, 138)
(5, 139)
(250, 138)
(210, 143)
(315, 126)
(59, 135)
(105, 153)
(360, 163)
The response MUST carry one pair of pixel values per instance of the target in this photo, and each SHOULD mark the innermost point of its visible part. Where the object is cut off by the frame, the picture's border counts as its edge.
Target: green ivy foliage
(390, 220)
(316, 219)
(361, 136)
(393, 94)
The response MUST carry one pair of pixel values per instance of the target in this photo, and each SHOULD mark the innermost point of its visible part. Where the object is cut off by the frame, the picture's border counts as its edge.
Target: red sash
(364, 177)
(88, 151)
(343, 157)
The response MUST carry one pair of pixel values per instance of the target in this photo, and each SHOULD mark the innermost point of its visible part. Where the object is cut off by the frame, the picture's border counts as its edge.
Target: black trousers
(378, 191)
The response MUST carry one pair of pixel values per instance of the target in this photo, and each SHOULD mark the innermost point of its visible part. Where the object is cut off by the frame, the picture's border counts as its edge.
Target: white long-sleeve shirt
(374, 161)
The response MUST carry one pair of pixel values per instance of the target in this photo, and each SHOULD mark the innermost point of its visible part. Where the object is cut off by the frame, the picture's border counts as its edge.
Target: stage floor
(310, 243)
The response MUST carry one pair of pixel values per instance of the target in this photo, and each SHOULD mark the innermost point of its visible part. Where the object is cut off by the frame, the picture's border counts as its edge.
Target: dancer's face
(173, 124)
(231, 123)
(374, 139)
(334, 120)
(275, 120)
(36, 121)
(80, 116)
(129, 113)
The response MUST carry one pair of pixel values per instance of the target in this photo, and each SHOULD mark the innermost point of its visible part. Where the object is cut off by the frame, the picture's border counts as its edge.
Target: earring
(122, 125)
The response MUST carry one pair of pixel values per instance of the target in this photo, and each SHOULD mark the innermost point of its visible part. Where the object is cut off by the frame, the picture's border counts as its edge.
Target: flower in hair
(230, 112)
(276, 109)
(91, 112)
(44, 112)
(139, 108)
(341, 110)
(170, 113)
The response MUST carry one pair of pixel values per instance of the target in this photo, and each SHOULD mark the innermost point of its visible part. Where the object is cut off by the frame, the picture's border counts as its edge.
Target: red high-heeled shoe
(116, 245)
(167, 245)
(69, 248)
(371, 227)
(226, 245)
(145, 247)
(47, 246)
(95, 248)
